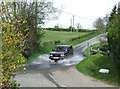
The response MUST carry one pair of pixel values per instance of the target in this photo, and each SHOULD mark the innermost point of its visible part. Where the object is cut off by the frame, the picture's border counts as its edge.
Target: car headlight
(51, 55)
(62, 55)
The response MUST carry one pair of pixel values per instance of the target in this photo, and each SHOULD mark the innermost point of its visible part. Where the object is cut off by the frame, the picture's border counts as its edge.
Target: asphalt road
(45, 73)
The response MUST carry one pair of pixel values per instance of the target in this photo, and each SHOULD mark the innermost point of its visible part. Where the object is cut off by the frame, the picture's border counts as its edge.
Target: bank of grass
(91, 65)
(103, 47)
(95, 46)
(46, 49)
(61, 35)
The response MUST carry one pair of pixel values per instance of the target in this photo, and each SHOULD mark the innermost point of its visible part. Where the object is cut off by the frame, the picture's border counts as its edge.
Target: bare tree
(78, 25)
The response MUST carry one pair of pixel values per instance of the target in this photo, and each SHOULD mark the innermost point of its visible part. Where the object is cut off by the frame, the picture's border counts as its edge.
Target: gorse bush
(12, 45)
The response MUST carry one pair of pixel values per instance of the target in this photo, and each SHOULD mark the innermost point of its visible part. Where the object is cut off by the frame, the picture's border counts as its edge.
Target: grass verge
(103, 47)
(91, 65)
(93, 47)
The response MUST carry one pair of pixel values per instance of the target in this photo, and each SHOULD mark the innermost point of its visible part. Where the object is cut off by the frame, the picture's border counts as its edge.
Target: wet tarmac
(44, 63)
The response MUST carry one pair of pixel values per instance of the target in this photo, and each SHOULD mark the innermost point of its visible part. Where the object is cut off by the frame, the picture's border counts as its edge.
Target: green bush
(113, 39)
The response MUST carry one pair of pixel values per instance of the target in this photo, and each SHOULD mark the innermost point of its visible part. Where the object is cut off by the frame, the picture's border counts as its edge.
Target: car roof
(63, 45)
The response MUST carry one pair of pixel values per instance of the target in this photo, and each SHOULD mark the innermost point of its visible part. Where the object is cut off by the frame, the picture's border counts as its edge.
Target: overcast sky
(85, 11)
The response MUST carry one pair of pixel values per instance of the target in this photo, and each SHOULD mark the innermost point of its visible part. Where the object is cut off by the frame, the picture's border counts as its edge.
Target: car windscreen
(60, 49)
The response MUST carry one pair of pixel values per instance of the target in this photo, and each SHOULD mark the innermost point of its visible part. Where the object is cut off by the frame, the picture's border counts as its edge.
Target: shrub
(12, 46)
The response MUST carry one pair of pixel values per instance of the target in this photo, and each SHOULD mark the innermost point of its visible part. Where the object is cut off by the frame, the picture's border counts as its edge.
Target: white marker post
(88, 49)
(119, 7)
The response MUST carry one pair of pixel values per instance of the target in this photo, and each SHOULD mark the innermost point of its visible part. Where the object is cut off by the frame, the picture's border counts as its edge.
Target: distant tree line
(67, 29)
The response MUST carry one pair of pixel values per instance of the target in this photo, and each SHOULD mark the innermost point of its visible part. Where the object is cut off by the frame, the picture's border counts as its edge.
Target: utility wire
(76, 15)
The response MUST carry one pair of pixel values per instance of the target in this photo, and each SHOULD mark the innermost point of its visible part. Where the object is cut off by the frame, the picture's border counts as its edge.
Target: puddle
(43, 62)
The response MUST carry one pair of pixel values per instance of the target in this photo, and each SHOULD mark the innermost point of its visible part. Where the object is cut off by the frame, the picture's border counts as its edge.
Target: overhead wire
(76, 15)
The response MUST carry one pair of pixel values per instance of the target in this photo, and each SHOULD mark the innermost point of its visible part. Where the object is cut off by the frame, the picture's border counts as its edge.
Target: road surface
(46, 73)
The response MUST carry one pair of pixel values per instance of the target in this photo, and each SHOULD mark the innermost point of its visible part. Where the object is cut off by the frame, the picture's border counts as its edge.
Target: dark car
(61, 52)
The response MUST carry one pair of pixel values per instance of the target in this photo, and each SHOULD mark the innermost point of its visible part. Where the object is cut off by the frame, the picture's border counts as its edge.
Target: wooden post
(108, 52)
(98, 49)
(91, 47)
(88, 49)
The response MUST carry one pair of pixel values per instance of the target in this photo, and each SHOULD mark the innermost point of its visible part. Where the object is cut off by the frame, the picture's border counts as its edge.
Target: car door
(69, 51)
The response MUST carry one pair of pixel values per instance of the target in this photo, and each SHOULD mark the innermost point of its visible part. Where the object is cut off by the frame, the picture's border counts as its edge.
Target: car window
(61, 49)
(69, 49)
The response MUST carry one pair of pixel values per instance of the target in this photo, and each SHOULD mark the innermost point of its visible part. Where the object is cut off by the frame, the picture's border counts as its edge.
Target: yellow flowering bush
(12, 46)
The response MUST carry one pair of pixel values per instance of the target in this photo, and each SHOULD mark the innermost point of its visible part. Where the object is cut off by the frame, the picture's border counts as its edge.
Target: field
(61, 35)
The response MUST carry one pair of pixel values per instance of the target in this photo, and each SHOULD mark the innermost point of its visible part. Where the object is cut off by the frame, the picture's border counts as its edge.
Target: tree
(114, 37)
(99, 24)
(71, 28)
(114, 11)
(35, 13)
(12, 46)
(114, 34)
(106, 21)
(78, 25)
(58, 26)
(20, 32)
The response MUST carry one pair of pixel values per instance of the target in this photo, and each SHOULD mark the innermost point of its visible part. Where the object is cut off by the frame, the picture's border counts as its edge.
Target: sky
(85, 12)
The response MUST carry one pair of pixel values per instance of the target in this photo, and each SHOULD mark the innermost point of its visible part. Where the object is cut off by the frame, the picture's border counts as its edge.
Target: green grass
(91, 65)
(73, 43)
(41, 50)
(45, 49)
(61, 35)
(95, 46)
(103, 47)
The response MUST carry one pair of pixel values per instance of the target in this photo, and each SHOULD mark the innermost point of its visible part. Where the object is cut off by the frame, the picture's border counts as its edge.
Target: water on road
(43, 62)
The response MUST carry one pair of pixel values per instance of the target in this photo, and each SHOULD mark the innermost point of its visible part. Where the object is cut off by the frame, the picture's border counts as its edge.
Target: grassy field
(61, 35)
(91, 65)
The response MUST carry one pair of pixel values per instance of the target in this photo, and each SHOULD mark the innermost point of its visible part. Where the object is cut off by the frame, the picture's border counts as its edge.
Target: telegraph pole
(71, 25)
(73, 22)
